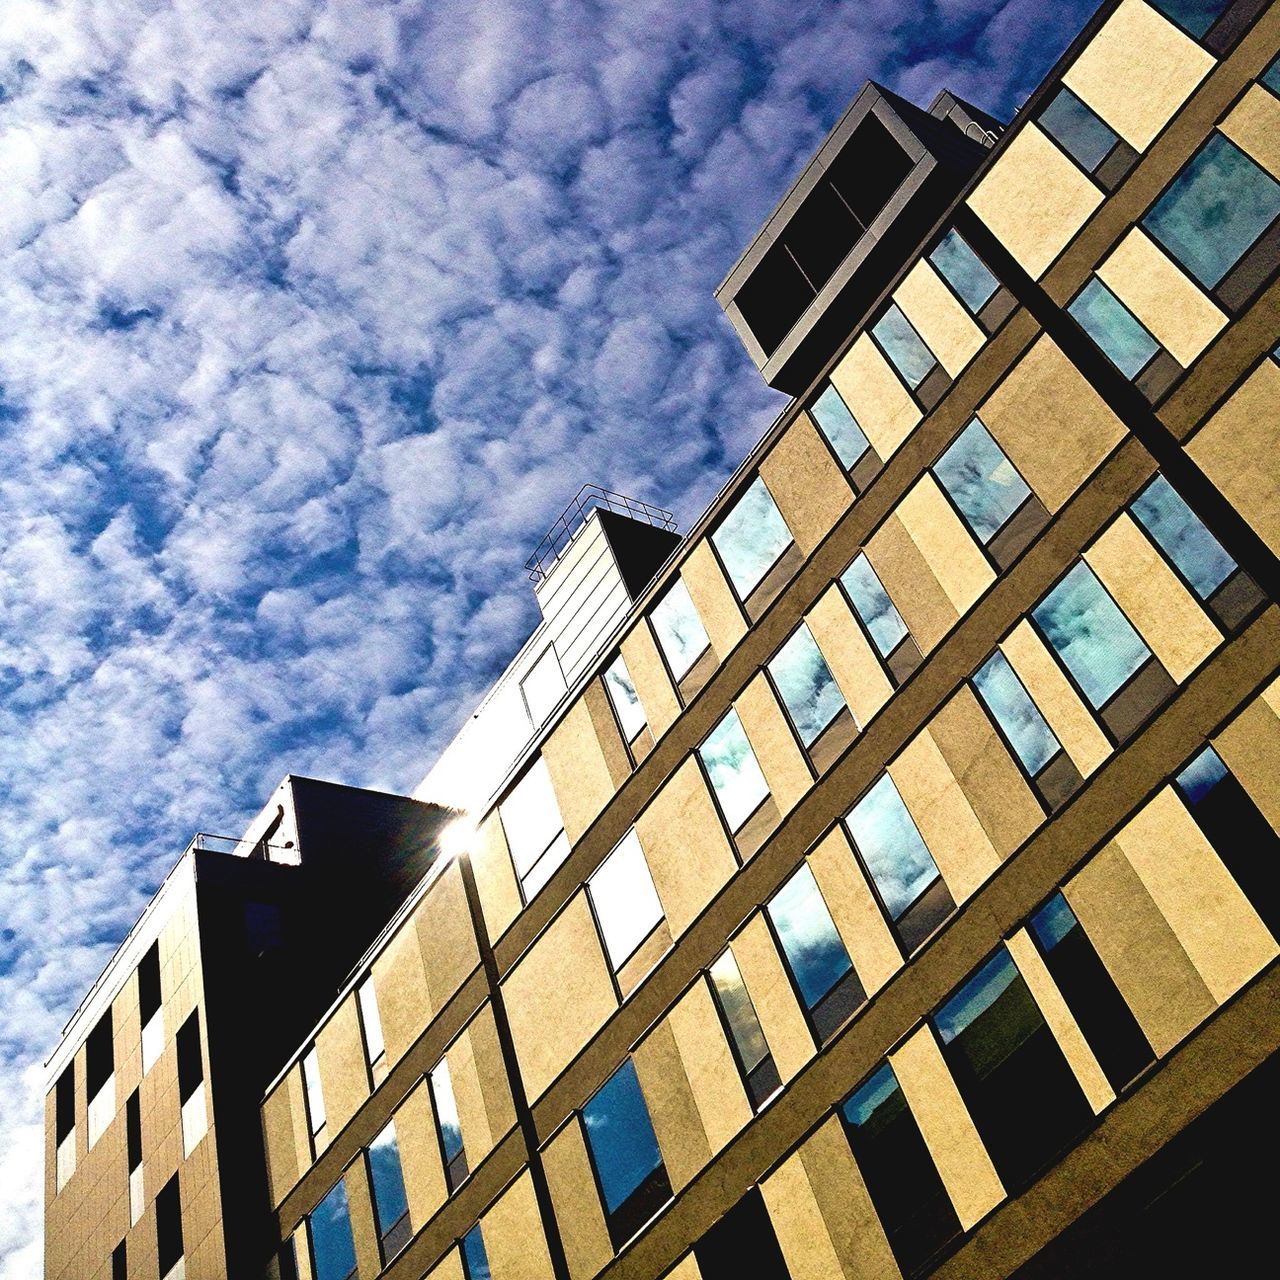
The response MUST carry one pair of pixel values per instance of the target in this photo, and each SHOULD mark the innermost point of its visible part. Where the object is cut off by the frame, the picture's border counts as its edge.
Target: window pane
(804, 680)
(1090, 634)
(475, 1260)
(976, 996)
(626, 702)
(1114, 328)
(1012, 709)
(751, 537)
(964, 271)
(531, 817)
(543, 687)
(446, 1111)
(389, 1200)
(982, 482)
(1215, 210)
(1199, 556)
(903, 346)
(734, 772)
(873, 605)
(679, 629)
(1080, 132)
(739, 1012)
(315, 1095)
(891, 847)
(814, 951)
(1271, 77)
(374, 1045)
(332, 1244)
(625, 900)
(169, 1244)
(620, 1136)
(1201, 776)
(840, 427)
(1195, 16)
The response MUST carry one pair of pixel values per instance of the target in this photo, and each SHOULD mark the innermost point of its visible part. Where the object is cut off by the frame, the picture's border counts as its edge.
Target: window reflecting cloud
(626, 702)
(1113, 327)
(904, 347)
(679, 629)
(806, 685)
(891, 847)
(981, 480)
(621, 1136)
(751, 537)
(814, 951)
(1012, 709)
(1200, 558)
(840, 427)
(734, 771)
(873, 605)
(964, 271)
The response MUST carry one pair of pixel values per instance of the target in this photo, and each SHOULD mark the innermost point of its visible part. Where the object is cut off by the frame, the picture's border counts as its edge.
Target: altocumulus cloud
(315, 313)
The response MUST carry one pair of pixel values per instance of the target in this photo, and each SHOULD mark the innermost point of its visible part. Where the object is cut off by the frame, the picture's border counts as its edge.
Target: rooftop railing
(591, 497)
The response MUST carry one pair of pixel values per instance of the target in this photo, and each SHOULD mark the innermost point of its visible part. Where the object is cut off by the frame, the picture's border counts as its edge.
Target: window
(902, 871)
(195, 1116)
(624, 900)
(1094, 999)
(903, 347)
(64, 1124)
(840, 428)
(1239, 833)
(882, 622)
(1087, 139)
(543, 687)
(375, 1049)
(1193, 16)
(133, 1149)
(1271, 76)
(475, 1260)
(746, 1035)
(964, 271)
(901, 1178)
(312, 1091)
(679, 630)
(805, 685)
(625, 701)
(448, 1125)
(751, 538)
(169, 1230)
(744, 1235)
(333, 1248)
(1114, 328)
(120, 1262)
(1024, 1100)
(624, 1153)
(149, 1007)
(534, 829)
(815, 954)
(99, 1077)
(735, 775)
(1214, 212)
(390, 1204)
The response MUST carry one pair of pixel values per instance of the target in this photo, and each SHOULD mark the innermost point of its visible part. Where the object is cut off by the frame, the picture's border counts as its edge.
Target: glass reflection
(389, 1201)
(739, 1012)
(873, 605)
(806, 685)
(621, 1136)
(679, 629)
(751, 538)
(964, 271)
(734, 771)
(1080, 132)
(904, 347)
(446, 1111)
(625, 901)
(981, 480)
(475, 1258)
(1011, 707)
(891, 848)
(1160, 510)
(332, 1246)
(1114, 328)
(623, 696)
(815, 954)
(840, 427)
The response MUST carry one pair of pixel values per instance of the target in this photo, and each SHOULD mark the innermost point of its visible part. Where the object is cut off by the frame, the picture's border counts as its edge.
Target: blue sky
(316, 313)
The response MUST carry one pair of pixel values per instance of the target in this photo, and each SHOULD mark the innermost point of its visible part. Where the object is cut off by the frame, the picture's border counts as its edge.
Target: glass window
(1079, 132)
(840, 427)
(314, 1092)
(390, 1204)
(370, 1021)
(964, 271)
(873, 606)
(904, 346)
(1199, 556)
(534, 829)
(625, 700)
(1114, 328)
(893, 852)
(543, 687)
(625, 901)
(447, 1122)
(1087, 630)
(475, 1259)
(742, 1245)
(333, 1249)
(679, 629)
(149, 984)
(1033, 742)
(1271, 77)
(120, 1262)
(815, 953)
(1195, 16)
(804, 681)
(169, 1247)
(734, 772)
(751, 538)
(981, 480)
(747, 1036)
(1215, 210)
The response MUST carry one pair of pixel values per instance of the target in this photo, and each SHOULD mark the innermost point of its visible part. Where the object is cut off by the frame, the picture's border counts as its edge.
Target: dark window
(333, 1248)
(745, 1032)
(1094, 999)
(1020, 1091)
(390, 1204)
(263, 927)
(190, 1062)
(902, 1180)
(99, 1056)
(773, 297)
(169, 1227)
(964, 271)
(741, 1244)
(149, 984)
(288, 1258)
(870, 168)
(624, 1152)
(133, 1130)
(120, 1262)
(475, 1260)
(64, 1102)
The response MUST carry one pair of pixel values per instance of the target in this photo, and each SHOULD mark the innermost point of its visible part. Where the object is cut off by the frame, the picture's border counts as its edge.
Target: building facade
(881, 880)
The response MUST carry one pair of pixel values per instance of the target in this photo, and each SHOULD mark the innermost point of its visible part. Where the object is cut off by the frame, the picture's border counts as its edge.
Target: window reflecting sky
(805, 682)
(626, 702)
(734, 771)
(1053, 922)
(1159, 508)
(446, 1110)
(1201, 775)
(1113, 327)
(621, 1136)
(981, 480)
(332, 1244)
(475, 1258)
(839, 426)
(1079, 131)
(814, 950)
(874, 607)
(882, 1087)
(530, 816)
(903, 346)
(370, 1020)
(389, 1201)
(891, 847)
(964, 271)
(751, 537)
(739, 1012)
(625, 901)
(679, 629)
(976, 996)
(1012, 709)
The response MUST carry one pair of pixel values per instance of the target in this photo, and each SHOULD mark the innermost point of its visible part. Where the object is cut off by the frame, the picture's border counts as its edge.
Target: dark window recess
(288, 1258)
(64, 1102)
(821, 233)
(1235, 827)
(149, 984)
(99, 1056)
(133, 1130)
(1024, 1100)
(169, 1226)
(774, 297)
(1092, 996)
(902, 1180)
(190, 1063)
(120, 1262)
(744, 1235)
(869, 170)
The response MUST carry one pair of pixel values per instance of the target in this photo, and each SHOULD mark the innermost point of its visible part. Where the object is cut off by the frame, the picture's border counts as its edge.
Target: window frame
(696, 675)
(935, 383)
(1159, 373)
(616, 968)
(538, 762)
(991, 316)
(453, 1179)
(867, 465)
(755, 816)
(780, 570)
(818, 760)
(916, 661)
(390, 1245)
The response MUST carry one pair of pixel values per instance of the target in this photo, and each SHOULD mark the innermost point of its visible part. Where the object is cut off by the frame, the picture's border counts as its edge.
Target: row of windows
(170, 1256)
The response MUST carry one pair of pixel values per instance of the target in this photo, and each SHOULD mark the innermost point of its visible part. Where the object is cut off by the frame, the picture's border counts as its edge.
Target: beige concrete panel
(1177, 312)
(473, 1116)
(491, 1073)
(583, 1231)
(496, 883)
(947, 546)
(709, 1066)
(876, 397)
(400, 984)
(579, 772)
(1250, 748)
(785, 1029)
(445, 937)
(686, 1269)
(946, 821)
(1218, 929)
(343, 1074)
(685, 846)
(774, 743)
(948, 1131)
(852, 661)
(808, 484)
(992, 783)
(917, 595)
(420, 1160)
(1164, 612)
(798, 1223)
(947, 328)
(673, 1110)
(1137, 71)
(1034, 199)
(1066, 1031)
(449, 1267)
(513, 1236)
(855, 912)
(558, 996)
(608, 735)
(297, 1109)
(649, 675)
(1052, 424)
(713, 598)
(1254, 126)
(1236, 450)
(1051, 691)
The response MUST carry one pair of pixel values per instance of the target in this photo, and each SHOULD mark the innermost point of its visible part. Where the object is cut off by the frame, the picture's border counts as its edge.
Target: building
(879, 880)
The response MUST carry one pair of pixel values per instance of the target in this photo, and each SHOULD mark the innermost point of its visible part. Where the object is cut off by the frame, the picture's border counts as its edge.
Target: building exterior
(889, 887)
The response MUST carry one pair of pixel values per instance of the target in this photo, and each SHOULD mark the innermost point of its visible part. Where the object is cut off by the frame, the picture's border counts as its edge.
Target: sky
(315, 315)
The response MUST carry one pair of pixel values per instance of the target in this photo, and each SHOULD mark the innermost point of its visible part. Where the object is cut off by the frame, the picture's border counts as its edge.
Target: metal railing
(591, 497)
(208, 842)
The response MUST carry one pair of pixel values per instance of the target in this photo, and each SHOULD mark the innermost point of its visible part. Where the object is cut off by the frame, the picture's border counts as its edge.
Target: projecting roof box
(880, 179)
